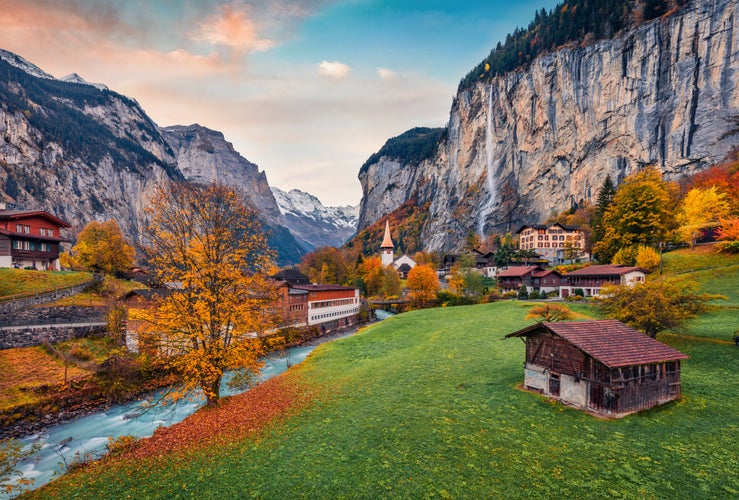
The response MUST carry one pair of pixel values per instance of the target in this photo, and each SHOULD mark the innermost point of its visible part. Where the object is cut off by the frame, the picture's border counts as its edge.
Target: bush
(728, 246)
(648, 258)
(579, 292)
(534, 295)
(523, 293)
(81, 353)
(625, 256)
(121, 444)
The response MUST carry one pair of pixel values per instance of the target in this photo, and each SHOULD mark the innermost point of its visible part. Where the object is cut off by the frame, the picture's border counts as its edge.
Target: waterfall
(492, 191)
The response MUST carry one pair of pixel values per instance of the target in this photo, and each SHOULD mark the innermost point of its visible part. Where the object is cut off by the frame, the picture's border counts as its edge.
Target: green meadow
(428, 404)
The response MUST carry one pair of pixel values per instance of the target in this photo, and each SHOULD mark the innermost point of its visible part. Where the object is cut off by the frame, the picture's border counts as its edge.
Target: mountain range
(540, 137)
(83, 152)
(590, 89)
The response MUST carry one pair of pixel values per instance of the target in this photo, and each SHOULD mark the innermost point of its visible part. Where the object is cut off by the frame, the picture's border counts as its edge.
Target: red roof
(606, 270)
(546, 272)
(609, 341)
(518, 271)
(24, 214)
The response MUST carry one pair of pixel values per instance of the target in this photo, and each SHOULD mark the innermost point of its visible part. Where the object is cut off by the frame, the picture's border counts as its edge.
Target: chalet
(547, 281)
(403, 265)
(556, 243)
(511, 279)
(603, 367)
(30, 238)
(592, 278)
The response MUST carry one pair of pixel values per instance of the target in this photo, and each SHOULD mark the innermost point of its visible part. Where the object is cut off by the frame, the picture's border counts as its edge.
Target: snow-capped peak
(75, 78)
(302, 204)
(22, 64)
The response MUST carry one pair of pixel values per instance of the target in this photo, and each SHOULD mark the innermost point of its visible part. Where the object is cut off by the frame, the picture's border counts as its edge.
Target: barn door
(596, 396)
(554, 384)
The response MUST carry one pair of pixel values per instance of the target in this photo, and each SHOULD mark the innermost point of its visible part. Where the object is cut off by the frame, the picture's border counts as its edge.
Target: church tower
(386, 249)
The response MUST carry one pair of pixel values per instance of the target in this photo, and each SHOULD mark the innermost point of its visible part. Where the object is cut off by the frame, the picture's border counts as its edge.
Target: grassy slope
(426, 404)
(23, 281)
(716, 273)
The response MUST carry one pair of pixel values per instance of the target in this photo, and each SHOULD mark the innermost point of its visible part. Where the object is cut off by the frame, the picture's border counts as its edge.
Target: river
(89, 435)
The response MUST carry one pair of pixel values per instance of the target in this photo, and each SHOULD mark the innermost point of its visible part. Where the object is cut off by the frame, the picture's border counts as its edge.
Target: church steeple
(386, 249)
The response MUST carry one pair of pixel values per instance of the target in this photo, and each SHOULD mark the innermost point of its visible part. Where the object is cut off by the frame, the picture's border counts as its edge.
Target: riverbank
(57, 410)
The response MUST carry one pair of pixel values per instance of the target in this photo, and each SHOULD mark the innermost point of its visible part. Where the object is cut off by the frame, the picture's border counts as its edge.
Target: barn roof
(609, 341)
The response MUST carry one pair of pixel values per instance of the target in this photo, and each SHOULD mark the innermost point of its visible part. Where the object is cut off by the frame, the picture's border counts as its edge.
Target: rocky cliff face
(77, 151)
(84, 153)
(204, 156)
(541, 139)
(312, 223)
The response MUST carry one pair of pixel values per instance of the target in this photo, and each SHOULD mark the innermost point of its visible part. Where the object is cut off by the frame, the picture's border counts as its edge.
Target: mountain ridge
(542, 138)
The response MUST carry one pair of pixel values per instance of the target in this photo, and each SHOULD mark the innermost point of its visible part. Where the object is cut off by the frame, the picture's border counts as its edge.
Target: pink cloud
(232, 27)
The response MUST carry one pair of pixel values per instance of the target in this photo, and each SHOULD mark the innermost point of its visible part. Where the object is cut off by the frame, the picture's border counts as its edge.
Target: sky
(306, 89)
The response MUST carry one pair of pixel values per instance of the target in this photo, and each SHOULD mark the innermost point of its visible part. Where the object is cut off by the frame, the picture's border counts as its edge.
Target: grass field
(24, 281)
(716, 273)
(427, 404)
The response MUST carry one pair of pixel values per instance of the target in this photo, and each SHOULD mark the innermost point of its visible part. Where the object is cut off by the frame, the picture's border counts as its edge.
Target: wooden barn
(604, 367)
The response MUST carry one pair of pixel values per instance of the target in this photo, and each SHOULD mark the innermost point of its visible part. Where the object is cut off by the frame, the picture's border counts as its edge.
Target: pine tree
(605, 198)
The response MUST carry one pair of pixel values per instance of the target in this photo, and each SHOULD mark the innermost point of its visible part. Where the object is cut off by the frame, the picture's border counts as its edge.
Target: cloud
(387, 74)
(234, 28)
(333, 69)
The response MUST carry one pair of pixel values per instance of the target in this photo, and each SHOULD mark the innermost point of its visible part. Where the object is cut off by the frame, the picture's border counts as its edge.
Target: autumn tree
(422, 284)
(654, 306)
(701, 209)
(550, 312)
(213, 250)
(641, 213)
(101, 246)
(325, 265)
(728, 235)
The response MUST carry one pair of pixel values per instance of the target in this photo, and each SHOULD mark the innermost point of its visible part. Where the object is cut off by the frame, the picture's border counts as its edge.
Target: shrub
(120, 444)
(523, 293)
(648, 258)
(534, 295)
(81, 353)
(728, 246)
(578, 292)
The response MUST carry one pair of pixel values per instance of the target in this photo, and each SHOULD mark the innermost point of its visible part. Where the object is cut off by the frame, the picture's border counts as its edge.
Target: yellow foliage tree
(422, 284)
(647, 258)
(701, 209)
(655, 306)
(101, 246)
(212, 249)
(550, 312)
(641, 213)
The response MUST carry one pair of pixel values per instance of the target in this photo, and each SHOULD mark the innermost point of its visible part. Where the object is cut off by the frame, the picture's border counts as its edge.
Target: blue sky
(307, 89)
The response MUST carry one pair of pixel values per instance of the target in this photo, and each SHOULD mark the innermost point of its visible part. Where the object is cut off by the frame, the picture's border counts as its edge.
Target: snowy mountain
(313, 223)
(75, 78)
(22, 64)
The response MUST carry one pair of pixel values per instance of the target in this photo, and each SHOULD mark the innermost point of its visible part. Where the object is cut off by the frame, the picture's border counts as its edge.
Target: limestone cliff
(541, 139)
(80, 152)
(204, 156)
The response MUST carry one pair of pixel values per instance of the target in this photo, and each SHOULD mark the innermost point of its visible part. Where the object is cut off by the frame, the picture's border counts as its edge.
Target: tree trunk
(214, 393)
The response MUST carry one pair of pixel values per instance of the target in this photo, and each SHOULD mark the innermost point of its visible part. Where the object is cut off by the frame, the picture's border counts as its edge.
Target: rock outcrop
(77, 151)
(542, 139)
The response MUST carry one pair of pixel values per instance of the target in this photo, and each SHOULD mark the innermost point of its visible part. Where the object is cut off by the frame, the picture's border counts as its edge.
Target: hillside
(540, 138)
(83, 153)
(428, 404)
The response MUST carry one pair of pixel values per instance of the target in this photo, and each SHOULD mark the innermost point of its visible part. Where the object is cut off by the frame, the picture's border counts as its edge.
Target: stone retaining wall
(31, 336)
(7, 308)
(54, 316)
